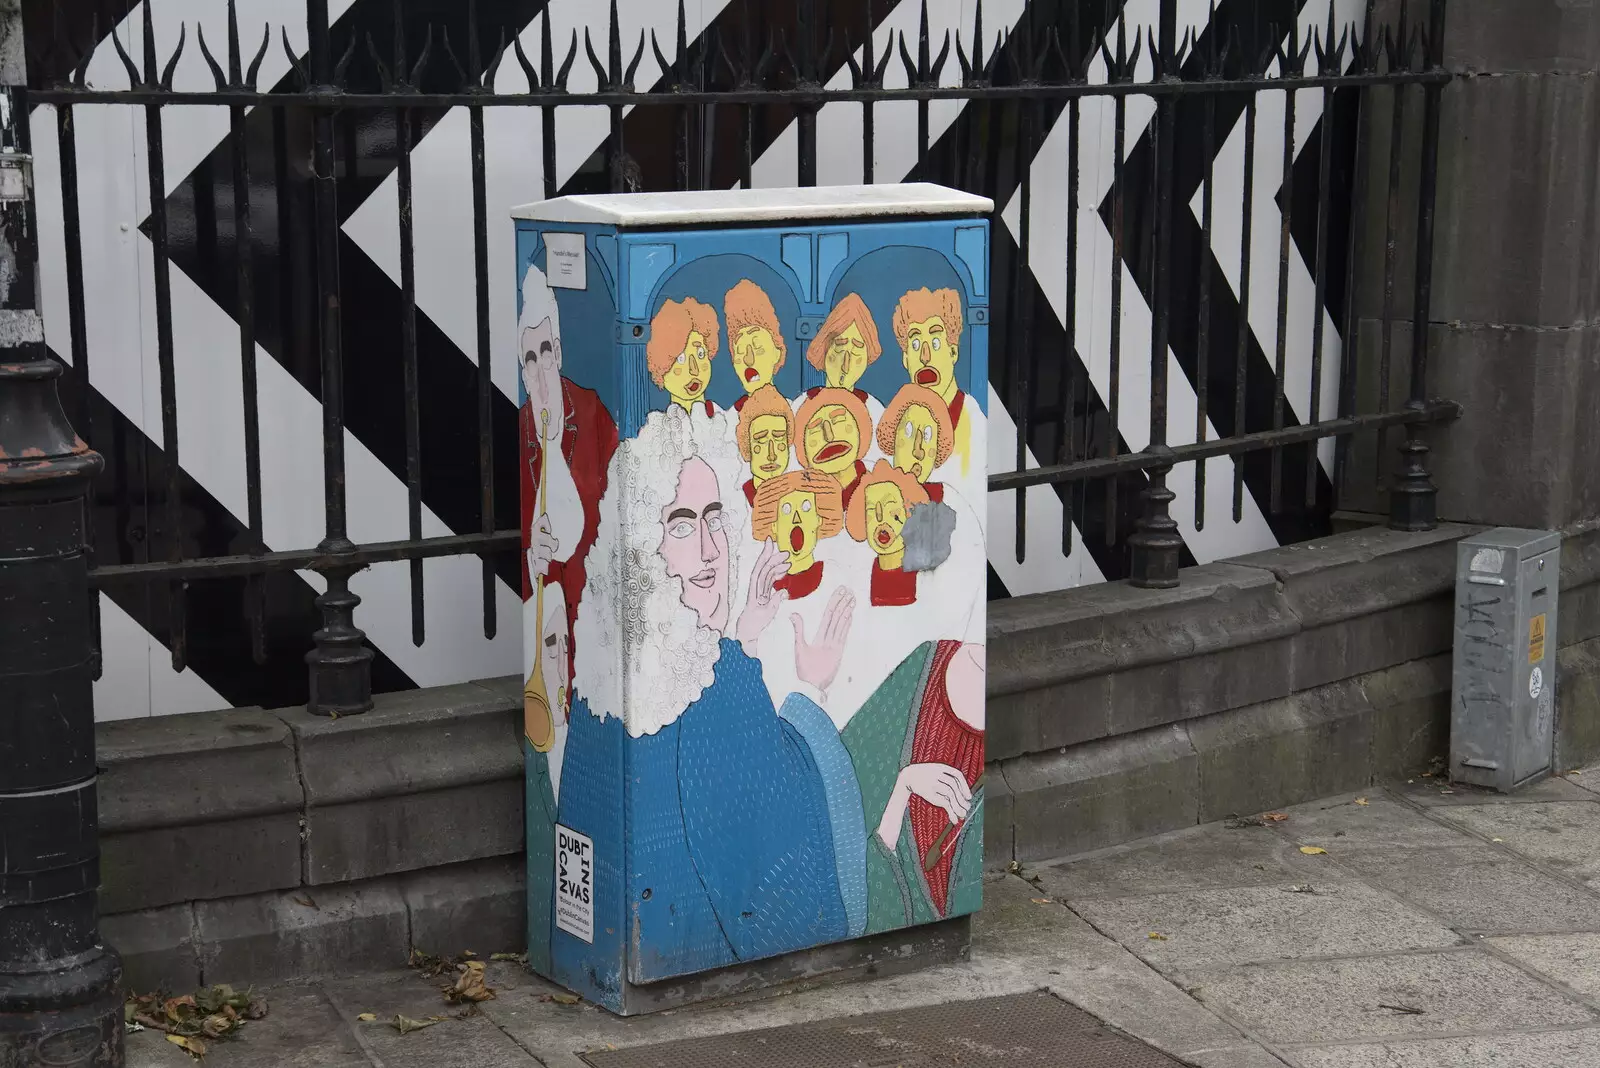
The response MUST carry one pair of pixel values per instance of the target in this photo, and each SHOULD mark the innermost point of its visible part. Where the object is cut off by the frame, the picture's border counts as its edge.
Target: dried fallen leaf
(405, 1024)
(1313, 851)
(468, 953)
(190, 1045)
(517, 958)
(307, 902)
(1156, 936)
(366, 1017)
(1042, 901)
(1014, 867)
(469, 985)
(218, 1024)
(1497, 839)
(256, 1009)
(1275, 817)
(1363, 802)
(565, 999)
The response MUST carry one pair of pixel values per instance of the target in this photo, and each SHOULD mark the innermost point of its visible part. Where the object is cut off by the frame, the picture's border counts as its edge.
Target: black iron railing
(713, 93)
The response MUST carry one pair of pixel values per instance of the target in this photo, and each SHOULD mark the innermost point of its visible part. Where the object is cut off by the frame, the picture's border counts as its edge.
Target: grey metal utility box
(1503, 686)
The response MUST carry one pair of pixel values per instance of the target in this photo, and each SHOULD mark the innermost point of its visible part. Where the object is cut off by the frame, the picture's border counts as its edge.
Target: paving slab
(1212, 856)
(1573, 959)
(1437, 793)
(1585, 778)
(1211, 928)
(1341, 825)
(1023, 940)
(1235, 1057)
(1562, 834)
(1480, 888)
(472, 1042)
(1462, 992)
(302, 1029)
(1549, 1049)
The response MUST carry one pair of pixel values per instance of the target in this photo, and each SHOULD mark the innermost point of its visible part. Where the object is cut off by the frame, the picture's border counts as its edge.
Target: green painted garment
(878, 739)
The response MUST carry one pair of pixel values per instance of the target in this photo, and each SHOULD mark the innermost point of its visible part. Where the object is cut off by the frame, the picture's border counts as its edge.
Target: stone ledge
(1342, 736)
(1043, 639)
(170, 771)
(411, 742)
(1365, 571)
(275, 937)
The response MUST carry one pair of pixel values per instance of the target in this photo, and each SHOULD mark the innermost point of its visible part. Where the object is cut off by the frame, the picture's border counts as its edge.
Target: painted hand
(544, 548)
(816, 663)
(937, 784)
(761, 607)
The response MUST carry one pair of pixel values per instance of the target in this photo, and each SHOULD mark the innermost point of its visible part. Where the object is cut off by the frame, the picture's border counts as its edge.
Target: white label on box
(575, 883)
(566, 261)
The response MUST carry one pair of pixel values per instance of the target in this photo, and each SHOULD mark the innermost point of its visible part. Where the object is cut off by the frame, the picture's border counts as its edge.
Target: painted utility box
(753, 487)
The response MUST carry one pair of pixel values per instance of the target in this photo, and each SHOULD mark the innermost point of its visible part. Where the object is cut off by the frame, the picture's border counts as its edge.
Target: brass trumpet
(538, 722)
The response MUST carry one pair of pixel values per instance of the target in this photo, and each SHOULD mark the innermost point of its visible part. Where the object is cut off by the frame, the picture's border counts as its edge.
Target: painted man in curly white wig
(745, 817)
(642, 618)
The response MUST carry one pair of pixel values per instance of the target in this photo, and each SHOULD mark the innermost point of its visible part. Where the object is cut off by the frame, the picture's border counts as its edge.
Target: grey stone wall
(251, 846)
(1515, 314)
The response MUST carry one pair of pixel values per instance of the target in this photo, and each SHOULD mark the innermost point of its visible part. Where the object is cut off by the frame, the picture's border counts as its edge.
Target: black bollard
(60, 1001)
(60, 989)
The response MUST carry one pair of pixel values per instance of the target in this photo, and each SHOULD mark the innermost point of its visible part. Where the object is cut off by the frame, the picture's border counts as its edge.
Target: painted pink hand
(816, 663)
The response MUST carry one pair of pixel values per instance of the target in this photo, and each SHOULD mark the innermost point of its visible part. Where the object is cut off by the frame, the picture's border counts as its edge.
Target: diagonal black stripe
(713, 140)
(981, 152)
(1295, 521)
(127, 519)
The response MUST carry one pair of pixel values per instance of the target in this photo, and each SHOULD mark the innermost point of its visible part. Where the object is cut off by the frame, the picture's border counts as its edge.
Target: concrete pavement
(1438, 926)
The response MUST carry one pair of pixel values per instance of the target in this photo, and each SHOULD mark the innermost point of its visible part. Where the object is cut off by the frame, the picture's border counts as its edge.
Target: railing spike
(594, 60)
(216, 68)
(527, 67)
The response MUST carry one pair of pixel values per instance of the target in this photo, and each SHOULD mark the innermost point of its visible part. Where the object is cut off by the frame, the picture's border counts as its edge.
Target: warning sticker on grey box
(575, 883)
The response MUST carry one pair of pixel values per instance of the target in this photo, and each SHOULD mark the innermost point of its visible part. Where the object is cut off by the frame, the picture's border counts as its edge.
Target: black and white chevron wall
(113, 393)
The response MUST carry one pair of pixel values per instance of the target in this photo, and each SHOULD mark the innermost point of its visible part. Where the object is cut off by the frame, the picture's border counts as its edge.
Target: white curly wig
(634, 634)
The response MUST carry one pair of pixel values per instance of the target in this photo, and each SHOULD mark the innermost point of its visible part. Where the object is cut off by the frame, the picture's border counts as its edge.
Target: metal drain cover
(1021, 1031)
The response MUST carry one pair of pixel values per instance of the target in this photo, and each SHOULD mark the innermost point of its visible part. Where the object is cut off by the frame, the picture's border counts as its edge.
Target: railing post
(341, 662)
(1156, 543)
(60, 989)
(1414, 499)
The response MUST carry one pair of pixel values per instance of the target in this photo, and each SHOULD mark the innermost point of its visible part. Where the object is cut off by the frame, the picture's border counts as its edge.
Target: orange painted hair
(919, 305)
(830, 502)
(827, 395)
(669, 333)
(764, 401)
(889, 425)
(747, 305)
(852, 309)
(911, 492)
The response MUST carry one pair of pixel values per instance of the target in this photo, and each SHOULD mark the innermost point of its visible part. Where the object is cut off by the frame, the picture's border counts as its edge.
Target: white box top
(712, 206)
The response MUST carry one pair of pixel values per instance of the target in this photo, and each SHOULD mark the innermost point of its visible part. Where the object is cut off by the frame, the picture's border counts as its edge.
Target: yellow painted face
(833, 441)
(795, 531)
(886, 518)
(690, 374)
(755, 357)
(846, 359)
(930, 356)
(916, 442)
(769, 446)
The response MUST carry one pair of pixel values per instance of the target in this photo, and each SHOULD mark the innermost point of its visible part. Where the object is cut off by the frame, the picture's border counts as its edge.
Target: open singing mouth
(797, 539)
(832, 451)
(927, 376)
(693, 386)
(705, 579)
(884, 535)
(751, 374)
